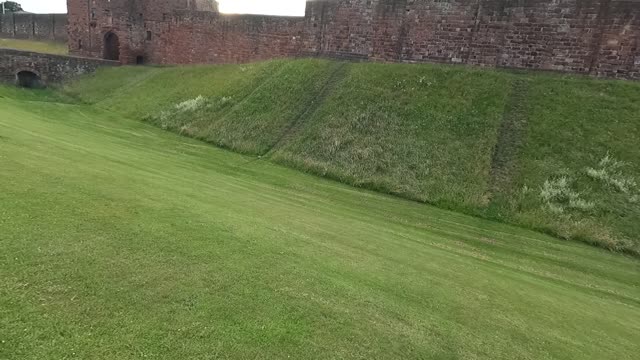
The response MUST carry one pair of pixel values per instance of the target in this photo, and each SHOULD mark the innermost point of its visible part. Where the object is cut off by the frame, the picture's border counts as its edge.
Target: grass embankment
(120, 240)
(579, 163)
(513, 147)
(47, 47)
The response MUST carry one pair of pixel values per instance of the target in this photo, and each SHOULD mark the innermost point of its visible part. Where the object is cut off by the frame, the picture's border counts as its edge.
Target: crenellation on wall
(597, 37)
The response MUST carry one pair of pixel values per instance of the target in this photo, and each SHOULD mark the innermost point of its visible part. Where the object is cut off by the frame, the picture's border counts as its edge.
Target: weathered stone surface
(597, 37)
(49, 68)
(51, 27)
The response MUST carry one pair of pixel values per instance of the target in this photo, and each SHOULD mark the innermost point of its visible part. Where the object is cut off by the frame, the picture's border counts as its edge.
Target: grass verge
(47, 47)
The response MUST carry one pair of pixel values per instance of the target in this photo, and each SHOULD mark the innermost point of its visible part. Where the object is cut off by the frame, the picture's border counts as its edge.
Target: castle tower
(122, 30)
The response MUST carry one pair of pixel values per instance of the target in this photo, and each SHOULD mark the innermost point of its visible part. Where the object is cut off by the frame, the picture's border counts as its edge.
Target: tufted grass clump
(191, 105)
(609, 171)
(168, 118)
(558, 196)
(180, 116)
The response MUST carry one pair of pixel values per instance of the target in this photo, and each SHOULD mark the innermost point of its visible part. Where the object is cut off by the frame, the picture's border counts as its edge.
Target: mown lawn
(120, 240)
(424, 132)
(48, 47)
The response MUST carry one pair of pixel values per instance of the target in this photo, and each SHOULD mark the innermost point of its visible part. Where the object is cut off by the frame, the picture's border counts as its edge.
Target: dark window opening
(111, 47)
(139, 60)
(80, 44)
(28, 79)
(93, 14)
(149, 35)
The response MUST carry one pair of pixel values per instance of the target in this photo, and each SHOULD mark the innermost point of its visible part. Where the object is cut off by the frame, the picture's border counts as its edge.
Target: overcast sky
(273, 7)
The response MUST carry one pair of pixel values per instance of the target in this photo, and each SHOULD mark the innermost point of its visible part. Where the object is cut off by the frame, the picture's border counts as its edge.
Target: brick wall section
(51, 68)
(6, 25)
(60, 23)
(597, 37)
(618, 53)
(208, 37)
(340, 29)
(52, 27)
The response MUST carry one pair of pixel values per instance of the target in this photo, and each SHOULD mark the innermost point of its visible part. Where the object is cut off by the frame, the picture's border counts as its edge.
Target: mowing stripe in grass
(337, 75)
(510, 137)
(122, 241)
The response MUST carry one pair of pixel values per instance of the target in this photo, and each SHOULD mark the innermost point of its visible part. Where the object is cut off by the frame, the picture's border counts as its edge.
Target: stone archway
(111, 47)
(29, 79)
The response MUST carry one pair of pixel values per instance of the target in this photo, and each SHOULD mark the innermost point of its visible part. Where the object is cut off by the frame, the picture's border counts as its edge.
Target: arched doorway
(29, 79)
(111, 47)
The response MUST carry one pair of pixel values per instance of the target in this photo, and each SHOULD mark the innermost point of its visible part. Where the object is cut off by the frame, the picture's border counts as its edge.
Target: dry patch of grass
(48, 47)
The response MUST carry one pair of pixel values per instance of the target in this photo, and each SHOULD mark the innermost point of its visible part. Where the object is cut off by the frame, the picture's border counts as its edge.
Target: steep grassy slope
(244, 108)
(574, 126)
(120, 241)
(424, 132)
(514, 147)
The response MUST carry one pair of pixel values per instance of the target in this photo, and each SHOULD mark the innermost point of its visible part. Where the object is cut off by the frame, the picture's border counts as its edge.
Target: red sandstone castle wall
(600, 37)
(208, 37)
(91, 20)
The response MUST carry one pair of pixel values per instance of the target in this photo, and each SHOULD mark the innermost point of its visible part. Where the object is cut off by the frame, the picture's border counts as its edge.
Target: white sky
(43, 6)
(271, 7)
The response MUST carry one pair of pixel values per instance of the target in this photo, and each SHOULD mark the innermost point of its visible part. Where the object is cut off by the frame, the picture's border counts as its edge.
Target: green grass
(122, 241)
(48, 47)
(574, 124)
(422, 132)
(240, 112)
